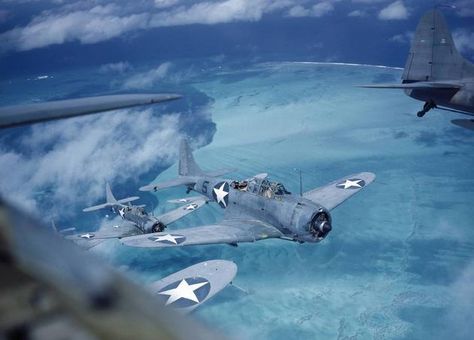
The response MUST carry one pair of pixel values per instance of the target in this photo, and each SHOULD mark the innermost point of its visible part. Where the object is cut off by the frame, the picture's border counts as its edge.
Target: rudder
(433, 55)
(187, 165)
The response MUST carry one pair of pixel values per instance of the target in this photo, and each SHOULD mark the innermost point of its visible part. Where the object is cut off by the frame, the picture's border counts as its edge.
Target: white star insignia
(168, 237)
(122, 213)
(192, 206)
(183, 291)
(221, 194)
(87, 236)
(350, 184)
(116, 226)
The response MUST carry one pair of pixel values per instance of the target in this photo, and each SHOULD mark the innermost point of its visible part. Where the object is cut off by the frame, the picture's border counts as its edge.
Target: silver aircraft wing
(187, 199)
(33, 113)
(176, 214)
(230, 231)
(52, 289)
(416, 85)
(104, 233)
(182, 180)
(333, 194)
(189, 288)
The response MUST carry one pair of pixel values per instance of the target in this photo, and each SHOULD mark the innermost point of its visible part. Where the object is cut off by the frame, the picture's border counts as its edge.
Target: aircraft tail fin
(433, 55)
(110, 200)
(187, 165)
(109, 195)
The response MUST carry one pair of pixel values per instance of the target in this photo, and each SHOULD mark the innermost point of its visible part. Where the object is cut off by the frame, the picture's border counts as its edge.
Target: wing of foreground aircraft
(189, 288)
(33, 113)
(334, 193)
(51, 289)
(229, 231)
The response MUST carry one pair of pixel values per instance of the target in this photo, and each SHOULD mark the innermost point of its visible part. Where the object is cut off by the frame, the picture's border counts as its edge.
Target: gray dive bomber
(137, 220)
(435, 72)
(255, 208)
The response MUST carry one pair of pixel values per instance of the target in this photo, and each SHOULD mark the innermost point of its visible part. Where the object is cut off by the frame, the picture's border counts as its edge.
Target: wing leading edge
(334, 193)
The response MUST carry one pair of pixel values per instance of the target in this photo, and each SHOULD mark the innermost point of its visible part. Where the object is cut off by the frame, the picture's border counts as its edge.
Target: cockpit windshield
(262, 187)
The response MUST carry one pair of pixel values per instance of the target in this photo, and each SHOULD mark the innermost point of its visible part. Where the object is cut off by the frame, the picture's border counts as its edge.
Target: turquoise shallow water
(399, 260)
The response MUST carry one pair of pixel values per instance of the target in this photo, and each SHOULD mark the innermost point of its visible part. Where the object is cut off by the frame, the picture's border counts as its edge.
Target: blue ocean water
(399, 260)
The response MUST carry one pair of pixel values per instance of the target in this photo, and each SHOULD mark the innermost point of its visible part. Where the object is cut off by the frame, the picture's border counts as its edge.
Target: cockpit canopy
(260, 185)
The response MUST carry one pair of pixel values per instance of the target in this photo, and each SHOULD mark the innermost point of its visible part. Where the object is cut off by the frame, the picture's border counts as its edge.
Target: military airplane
(51, 289)
(139, 221)
(255, 209)
(435, 72)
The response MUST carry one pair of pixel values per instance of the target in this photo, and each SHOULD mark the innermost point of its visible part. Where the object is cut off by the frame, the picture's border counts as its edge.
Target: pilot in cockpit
(240, 185)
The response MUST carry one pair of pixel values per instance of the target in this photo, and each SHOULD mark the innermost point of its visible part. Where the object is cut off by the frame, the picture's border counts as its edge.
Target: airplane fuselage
(456, 99)
(144, 222)
(295, 217)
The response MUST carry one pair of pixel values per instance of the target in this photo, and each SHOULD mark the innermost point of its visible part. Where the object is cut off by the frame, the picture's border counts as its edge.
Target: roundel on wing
(351, 183)
(185, 292)
(168, 239)
(220, 192)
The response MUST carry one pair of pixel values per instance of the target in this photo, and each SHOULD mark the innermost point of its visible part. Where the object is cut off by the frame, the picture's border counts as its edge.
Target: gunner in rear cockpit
(240, 185)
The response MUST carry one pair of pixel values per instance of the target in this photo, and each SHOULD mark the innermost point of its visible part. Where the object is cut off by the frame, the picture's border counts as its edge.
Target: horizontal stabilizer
(220, 172)
(169, 184)
(204, 280)
(128, 199)
(98, 207)
(32, 113)
(414, 86)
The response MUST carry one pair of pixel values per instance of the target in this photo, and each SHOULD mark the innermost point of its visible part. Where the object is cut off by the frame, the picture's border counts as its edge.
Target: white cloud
(149, 78)
(85, 153)
(403, 38)
(357, 13)
(165, 3)
(464, 40)
(464, 8)
(318, 10)
(87, 26)
(460, 319)
(119, 67)
(394, 11)
(79, 21)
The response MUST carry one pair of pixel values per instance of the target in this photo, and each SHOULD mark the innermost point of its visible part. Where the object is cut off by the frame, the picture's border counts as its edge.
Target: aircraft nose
(326, 227)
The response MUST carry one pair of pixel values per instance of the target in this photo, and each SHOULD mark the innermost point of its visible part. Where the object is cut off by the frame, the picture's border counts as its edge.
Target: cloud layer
(395, 11)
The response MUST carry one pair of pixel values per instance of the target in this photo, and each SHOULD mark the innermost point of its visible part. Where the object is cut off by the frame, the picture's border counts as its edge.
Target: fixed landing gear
(428, 106)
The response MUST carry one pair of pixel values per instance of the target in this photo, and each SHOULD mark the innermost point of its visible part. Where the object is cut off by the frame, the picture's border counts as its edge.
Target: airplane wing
(176, 214)
(91, 239)
(333, 194)
(220, 172)
(229, 231)
(52, 289)
(187, 199)
(200, 281)
(183, 180)
(416, 85)
(33, 113)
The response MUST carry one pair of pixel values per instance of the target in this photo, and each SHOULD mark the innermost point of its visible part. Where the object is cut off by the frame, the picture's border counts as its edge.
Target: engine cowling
(320, 225)
(154, 227)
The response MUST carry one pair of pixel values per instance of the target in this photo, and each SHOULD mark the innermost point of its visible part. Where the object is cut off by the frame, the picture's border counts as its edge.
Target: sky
(38, 36)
